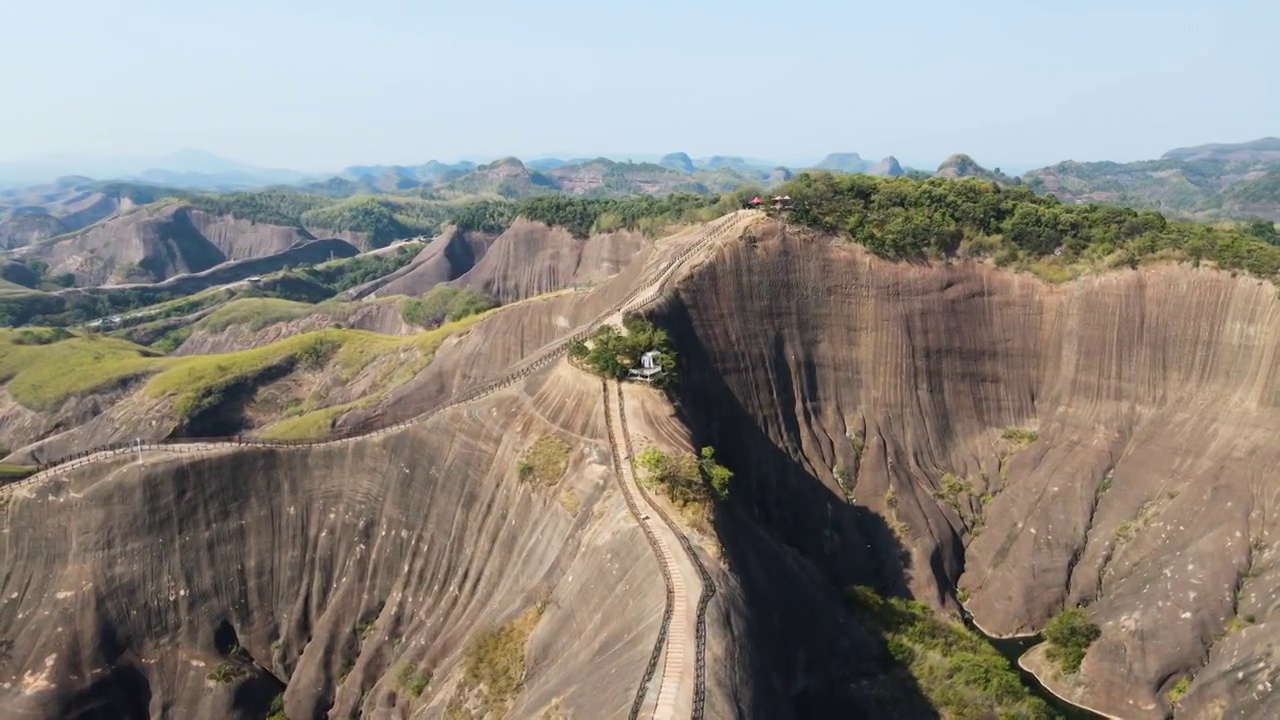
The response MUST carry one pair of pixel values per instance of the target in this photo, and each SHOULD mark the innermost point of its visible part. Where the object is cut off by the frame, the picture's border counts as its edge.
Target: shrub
(910, 218)
(687, 480)
(413, 680)
(1069, 635)
(341, 275)
(570, 501)
(647, 213)
(545, 461)
(1126, 531)
(40, 336)
(677, 475)
(1179, 689)
(316, 353)
(494, 664)
(171, 340)
(716, 475)
(226, 672)
(961, 675)
(275, 711)
(1020, 437)
(444, 304)
(951, 489)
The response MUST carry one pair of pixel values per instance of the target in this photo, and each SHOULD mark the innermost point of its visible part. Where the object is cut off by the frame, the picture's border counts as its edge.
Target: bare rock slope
(335, 568)
(446, 257)
(158, 242)
(530, 259)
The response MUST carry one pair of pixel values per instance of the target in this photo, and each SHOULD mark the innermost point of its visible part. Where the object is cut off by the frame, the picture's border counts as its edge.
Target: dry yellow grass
(545, 461)
(570, 501)
(494, 670)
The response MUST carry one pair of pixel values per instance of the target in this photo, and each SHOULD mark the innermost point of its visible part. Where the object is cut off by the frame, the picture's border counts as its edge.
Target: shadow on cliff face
(795, 546)
(122, 693)
(225, 416)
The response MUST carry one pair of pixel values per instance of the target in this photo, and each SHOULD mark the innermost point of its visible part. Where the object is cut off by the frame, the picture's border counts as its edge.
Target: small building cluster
(779, 203)
(650, 367)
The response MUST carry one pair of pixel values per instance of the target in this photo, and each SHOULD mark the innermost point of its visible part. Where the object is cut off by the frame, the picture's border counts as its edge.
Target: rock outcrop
(887, 167)
(843, 162)
(22, 229)
(962, 166)
(678, 161)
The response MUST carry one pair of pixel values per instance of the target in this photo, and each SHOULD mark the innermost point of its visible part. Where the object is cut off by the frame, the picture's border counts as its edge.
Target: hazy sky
(320, 84)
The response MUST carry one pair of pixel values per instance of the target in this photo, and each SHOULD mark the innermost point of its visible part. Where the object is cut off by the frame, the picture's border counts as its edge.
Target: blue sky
(319, 84)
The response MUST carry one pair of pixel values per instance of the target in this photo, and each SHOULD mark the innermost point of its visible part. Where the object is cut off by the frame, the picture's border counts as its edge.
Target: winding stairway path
(674, 696)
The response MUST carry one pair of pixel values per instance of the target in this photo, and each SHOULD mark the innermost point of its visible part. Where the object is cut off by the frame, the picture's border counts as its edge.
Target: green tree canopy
(905, 218)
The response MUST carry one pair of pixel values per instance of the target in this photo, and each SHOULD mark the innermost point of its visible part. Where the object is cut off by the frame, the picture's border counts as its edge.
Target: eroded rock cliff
(1105, 441)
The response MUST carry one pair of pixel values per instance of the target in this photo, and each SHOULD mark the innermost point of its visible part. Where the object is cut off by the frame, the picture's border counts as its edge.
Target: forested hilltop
(906, 219)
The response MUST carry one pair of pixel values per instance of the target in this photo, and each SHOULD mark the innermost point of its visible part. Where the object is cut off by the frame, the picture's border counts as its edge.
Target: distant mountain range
(1263, 150)
(593, 177)
(192, 169)
(1206, 182)
(1213, 181)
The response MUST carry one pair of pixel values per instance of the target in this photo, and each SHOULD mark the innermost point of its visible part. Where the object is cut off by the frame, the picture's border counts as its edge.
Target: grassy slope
(258, 313)
(494, 670)
(15, 472)
(545, 461)
(43, 376)
(316, 423)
